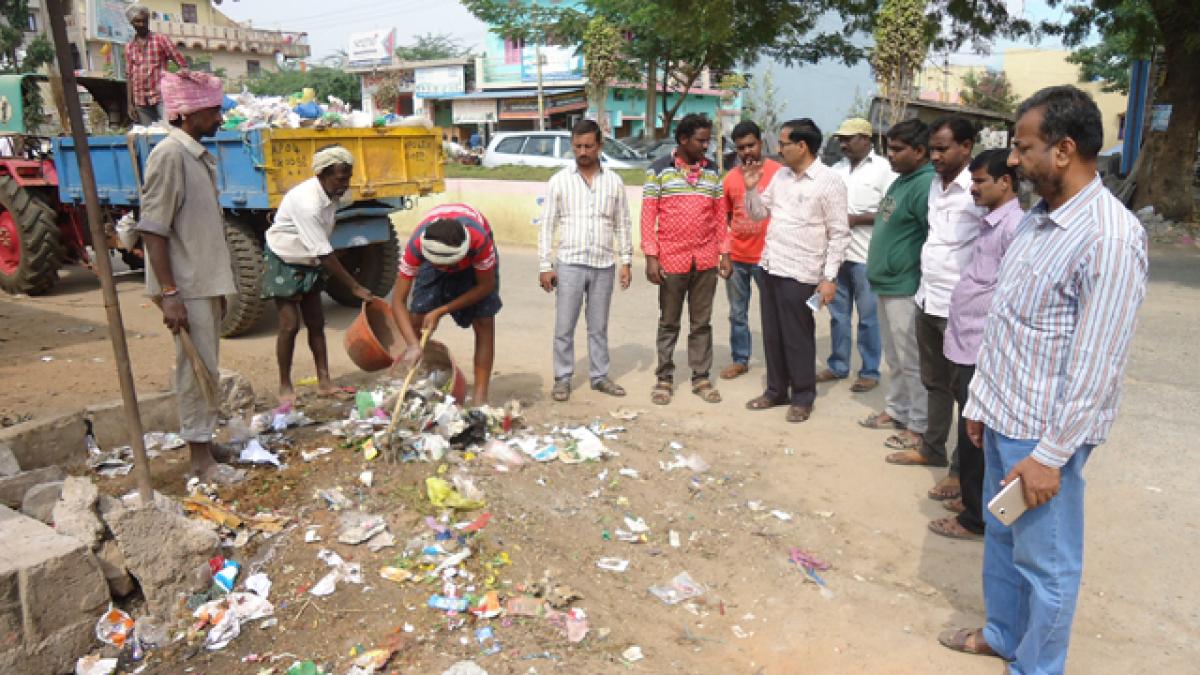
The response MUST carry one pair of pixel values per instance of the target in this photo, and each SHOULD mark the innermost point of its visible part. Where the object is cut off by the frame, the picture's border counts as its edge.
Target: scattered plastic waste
(465, 668)
(310, 455)
(681, 588)
(357, 527)
(93, 664)
(258, 584)
(114, 627)
(782, 515)
(811, 565)
(613, 564)
(448, 604)
(255, 453)
(443, 495)
(341, 571)
(693, 463)
(633, 654)
(629, 473)
(397, 574)
(226, 575)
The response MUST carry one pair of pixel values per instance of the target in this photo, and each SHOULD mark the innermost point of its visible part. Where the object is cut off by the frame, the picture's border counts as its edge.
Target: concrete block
(237, 394)
(13, 488)
(8, 462)
(112, 563)
(75, 513)
(46, 441)
(40, 500)
(158, 412)
(59, 592)
(167, 553)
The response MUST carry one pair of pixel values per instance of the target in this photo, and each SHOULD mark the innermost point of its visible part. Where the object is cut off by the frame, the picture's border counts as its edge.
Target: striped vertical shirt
(587, 218)
(810, 225)
(1057, 341)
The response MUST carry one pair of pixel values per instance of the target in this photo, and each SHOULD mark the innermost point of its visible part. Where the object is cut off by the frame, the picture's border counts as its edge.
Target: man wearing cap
(299, 259)
(188, 269)
(867, 177)
(146, 59)
(450, 266)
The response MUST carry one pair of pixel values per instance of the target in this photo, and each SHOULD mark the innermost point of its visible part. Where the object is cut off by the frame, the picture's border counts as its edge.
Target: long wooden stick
(209, 387)
(112, 307)
(404, 390)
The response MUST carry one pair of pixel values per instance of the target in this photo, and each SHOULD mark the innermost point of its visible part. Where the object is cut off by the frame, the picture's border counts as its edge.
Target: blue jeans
(737, 288)
(854, 289)
(1031, 570)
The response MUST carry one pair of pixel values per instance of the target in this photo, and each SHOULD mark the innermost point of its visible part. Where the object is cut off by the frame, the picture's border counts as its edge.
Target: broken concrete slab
(112, 563)
(167, 553)
(75, 513)
(13, 488)
(51, 591)
(47, 441)
(158, 412)
(39, 501)
(237, 394)
(9, 466)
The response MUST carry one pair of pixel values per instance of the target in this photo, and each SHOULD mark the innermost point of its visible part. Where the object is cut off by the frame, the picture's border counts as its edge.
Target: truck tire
(31, 248)
(245, 251)
(374, 266)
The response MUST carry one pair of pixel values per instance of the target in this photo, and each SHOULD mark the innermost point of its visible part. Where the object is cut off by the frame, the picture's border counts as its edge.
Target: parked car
(553, 148)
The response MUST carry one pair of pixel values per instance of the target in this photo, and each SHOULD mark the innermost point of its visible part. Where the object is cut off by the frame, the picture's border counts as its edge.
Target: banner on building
(372, 48)
(107, 22)
(473, 111)
(558, 63)
(439, 81)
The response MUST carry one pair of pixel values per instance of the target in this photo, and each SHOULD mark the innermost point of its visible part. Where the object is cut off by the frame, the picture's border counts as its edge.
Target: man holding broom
(188, 270)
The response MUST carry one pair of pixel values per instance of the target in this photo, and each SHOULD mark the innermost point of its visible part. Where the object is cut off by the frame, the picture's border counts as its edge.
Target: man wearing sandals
(805, 245)
(894, 270)
(1048, 379)
(686, 242)
(586, 204)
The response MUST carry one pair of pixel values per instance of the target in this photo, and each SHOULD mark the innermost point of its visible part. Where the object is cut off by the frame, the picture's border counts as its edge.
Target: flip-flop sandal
(943, 491)
(661, 394)
(706, 392)
(763, 403)
(954, 505)
(876, 422)
(911, 458)
(960, 640)
(609, 387)
(950, 528)
(898, 442)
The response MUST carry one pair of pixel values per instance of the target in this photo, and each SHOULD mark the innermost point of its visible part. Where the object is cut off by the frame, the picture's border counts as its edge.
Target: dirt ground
(894, 584)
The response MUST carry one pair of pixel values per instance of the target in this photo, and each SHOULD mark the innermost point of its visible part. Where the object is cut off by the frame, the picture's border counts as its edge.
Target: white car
(553, 148)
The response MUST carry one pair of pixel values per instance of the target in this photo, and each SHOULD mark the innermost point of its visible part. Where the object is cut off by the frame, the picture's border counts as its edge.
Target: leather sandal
(967, 641)
(661, 394)
(705, 390)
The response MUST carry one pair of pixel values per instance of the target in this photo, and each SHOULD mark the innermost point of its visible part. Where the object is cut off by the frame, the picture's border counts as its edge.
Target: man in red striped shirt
(146, 59)
(686, 241)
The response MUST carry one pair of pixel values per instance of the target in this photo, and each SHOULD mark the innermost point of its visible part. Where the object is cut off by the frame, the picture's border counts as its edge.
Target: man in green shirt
(894, 270)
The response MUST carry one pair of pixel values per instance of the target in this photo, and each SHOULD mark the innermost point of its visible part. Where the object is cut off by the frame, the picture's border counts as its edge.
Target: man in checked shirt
(146, 59)
(1048, 378)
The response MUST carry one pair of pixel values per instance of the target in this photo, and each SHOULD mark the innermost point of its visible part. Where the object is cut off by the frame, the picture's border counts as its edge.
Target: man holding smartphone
(1048, 379)
(586, 205)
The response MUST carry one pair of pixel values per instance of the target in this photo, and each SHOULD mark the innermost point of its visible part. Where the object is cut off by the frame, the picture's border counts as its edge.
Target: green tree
(432, 46)
(326, 82)
(39, 51)
(901, 42)
(1109, 60)
(989, 90)
(1170, 29)
(763, 105)
(602, 43)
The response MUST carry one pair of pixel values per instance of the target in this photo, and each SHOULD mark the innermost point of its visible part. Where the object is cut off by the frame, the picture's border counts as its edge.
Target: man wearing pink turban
(189, 269)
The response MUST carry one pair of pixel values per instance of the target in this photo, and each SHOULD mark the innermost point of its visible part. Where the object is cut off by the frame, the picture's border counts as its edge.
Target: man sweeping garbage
(188, 269)
(450, 266)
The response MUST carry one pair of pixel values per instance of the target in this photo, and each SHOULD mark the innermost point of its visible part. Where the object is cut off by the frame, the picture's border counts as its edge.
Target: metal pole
(116, 327)
(541, 99)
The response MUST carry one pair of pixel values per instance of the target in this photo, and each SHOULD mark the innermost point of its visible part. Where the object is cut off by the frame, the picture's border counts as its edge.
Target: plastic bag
(682, 587)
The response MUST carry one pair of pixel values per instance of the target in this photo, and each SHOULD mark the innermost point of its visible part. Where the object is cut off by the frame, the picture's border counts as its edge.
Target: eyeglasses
(784, 144)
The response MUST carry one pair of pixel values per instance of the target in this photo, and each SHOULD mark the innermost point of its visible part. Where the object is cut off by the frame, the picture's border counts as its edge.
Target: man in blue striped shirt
(1048, 379)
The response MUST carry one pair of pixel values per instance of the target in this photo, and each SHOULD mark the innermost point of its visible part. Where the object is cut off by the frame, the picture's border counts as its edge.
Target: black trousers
(970, 458)
(789, 340)
(937, 374)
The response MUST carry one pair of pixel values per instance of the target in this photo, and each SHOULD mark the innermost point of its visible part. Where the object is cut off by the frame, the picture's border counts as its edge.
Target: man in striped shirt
(586, 204)
(686, 242)
(1048, 379)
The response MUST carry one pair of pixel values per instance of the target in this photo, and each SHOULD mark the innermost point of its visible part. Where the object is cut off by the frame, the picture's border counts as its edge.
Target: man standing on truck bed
(450, 266)
(188, 268)
(146, 58)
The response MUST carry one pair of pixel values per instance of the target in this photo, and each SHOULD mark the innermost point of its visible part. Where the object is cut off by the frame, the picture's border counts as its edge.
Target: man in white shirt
(867, 177)
(299, 260)
(586, 204)
(954, 222)
(805, 244)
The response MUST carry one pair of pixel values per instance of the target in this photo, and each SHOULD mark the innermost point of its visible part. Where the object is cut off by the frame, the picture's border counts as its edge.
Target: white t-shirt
(866, 184)
(303, 223)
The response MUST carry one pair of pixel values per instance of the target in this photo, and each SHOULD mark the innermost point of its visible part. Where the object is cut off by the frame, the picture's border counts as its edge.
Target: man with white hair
(450, 266)
(188, 268)
(299, 259)
(146, 59)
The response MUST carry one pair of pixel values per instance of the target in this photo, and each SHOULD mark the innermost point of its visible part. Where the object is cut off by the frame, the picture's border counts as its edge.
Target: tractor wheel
(31, 249)
(246, 253)
(374, 266)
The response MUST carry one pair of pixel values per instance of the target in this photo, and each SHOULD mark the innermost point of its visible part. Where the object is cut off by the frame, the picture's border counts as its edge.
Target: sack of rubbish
(443, 495)
(682, 587)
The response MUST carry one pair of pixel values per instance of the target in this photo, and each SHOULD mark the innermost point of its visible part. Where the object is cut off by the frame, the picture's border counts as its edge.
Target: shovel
(387, 439)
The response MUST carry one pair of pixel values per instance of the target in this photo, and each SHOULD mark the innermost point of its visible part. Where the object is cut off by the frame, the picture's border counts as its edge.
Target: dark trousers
(970, 458)
(937, 374)
(697, 288)
(789, 340)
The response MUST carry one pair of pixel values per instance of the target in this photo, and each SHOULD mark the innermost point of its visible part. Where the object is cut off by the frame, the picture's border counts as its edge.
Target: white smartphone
(814, 302)
(1009, 503)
